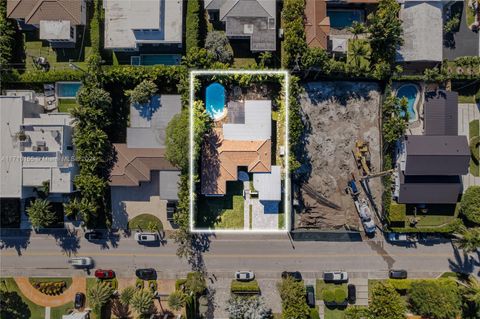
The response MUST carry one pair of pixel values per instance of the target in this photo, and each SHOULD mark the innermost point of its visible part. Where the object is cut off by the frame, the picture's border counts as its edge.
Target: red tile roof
(317, 24)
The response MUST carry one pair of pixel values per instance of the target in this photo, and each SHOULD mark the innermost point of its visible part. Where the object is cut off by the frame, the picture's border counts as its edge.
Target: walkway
(79, 284)
(466, 114)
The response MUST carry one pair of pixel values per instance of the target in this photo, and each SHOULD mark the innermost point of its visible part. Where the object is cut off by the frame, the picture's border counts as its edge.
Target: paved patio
(466, 114)
(128, 202)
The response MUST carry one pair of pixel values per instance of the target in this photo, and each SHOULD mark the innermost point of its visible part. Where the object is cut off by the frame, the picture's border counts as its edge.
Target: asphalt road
(45, 255)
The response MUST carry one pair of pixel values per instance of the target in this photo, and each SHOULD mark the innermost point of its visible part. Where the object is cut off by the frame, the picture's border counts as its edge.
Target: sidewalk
(79, 284)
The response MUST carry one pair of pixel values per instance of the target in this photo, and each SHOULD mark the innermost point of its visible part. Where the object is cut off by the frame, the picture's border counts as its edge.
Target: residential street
(45, 257)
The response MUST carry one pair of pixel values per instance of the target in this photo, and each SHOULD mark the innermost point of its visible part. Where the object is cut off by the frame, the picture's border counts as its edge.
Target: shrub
(152, 284)
(340, 295)
(180, 284)
(470, 204)
(400, 284)
(314, 314)
(240, 287)
(176, 300)
(143, 92)
(397, 212)
(294, 44)
(328, 295)
(435, 298)
(217, 43)
(139, 283)
(192, 22)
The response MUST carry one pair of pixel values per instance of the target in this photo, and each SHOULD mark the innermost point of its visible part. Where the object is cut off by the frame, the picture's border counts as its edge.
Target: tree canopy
(143, 92)
(248, 307)
(386, 303)
(218, 45)
(470, 204)
(40, 213)
(292, 293)
(142, 302)
(438, 299)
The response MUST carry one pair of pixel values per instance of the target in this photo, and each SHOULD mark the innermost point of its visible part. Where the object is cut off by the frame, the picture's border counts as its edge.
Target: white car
(244, 275)
(335, 276)
(146, 237)
(81, 262)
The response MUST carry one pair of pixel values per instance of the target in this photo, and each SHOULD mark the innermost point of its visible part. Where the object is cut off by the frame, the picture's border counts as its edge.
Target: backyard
(225, 212)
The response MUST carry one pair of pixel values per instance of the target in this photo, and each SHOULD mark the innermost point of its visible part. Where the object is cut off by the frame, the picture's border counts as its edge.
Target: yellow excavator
(362, 156)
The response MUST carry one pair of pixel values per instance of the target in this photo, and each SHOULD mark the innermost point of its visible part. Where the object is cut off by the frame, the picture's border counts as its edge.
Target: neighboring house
(431, 165)
(242, 146)
(56, 19)
(317, 24)
(36, 149)
(133, 24)
(247, 19)
(142, 179)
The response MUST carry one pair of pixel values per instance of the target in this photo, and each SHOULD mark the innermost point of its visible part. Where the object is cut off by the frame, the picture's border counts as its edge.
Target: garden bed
(241, 287)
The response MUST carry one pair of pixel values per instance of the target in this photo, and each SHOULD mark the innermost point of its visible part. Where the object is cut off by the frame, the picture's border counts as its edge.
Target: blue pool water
(215, 100)
(410, 92)
(153, 59)
(68, 89)
(340, 19)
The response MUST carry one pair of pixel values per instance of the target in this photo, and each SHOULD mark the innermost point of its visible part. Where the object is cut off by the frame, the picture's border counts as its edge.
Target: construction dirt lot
(336, 114)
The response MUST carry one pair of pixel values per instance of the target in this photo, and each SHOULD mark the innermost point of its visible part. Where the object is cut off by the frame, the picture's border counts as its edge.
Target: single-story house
(56, 19)
(247, 19)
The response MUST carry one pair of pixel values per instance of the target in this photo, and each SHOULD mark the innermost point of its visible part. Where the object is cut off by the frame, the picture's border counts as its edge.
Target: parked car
(93, 235)
(352, 293)
(296, 275)
(401, 238)
(104, 274)
(146, 273)
(310, 296)
(142, 237)
(335, 276)
(244, 275)
(398, 274)
(81, 262)
(79, 300)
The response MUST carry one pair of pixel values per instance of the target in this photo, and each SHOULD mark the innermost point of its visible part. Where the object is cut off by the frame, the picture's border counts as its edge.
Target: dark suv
(352, 294)
(146, 273)
(296, 275)
(310, 296)
(398, 274)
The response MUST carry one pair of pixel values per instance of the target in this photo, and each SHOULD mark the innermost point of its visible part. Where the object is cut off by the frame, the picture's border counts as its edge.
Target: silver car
(142, 237)
(244, 275)
(81, 262)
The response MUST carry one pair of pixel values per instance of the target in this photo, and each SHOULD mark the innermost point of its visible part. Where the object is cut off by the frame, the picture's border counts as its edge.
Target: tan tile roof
(317, 24)
(33, 11)
(134, 165)
(221, 159)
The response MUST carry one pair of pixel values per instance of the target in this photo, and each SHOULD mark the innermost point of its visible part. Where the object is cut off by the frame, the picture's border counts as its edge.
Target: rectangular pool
(341, 19)
(154, 59)
(67, 89)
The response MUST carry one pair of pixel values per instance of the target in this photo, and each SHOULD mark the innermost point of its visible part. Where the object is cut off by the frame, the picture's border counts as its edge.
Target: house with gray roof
(430, 166)
(142, 179)
(36, 150)
(247, 19)
(132, 24)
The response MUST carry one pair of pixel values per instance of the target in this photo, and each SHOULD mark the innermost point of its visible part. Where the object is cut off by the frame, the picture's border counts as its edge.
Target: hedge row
(240, 287)
(451, 227)
(192, 22)
(294, 44)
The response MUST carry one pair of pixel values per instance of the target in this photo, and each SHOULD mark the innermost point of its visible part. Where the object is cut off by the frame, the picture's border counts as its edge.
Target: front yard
(474, 133)
(437, 218)
(225, 212)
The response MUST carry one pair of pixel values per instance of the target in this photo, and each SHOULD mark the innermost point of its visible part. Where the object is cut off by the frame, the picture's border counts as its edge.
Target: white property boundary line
(286, 82)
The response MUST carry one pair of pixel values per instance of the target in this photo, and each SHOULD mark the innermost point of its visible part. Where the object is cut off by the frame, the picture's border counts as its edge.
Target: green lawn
(242, 63)
(334, 313)
(64, 105)
(30, 310)
(321, 285)
(143, 221)
(224, 212)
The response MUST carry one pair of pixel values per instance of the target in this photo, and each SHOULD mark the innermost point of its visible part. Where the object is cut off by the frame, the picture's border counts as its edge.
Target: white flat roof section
(422, 32)
(128, 22)
(268, 185)
(257, 126)
(55, 30)
(11, 161)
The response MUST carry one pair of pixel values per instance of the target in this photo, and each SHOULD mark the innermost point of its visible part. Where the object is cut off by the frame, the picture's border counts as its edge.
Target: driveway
(466, 114)
(466, 42)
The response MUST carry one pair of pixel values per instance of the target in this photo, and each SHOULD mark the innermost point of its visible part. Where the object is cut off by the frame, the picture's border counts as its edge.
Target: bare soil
(336, 114)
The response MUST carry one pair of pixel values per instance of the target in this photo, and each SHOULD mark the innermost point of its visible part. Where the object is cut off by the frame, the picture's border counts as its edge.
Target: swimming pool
(340, 19)
(67, 89)
(410, 92)
(154, 59)
(215, 100)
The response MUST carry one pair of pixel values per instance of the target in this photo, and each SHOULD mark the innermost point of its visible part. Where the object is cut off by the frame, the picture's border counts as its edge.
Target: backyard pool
(67, 89)
(410, 92)
(215, 100)
(341, 19)
(154, 59)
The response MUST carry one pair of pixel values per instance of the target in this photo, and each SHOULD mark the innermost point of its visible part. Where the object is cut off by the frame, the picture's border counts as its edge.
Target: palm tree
(127, 295)
(357, 28)
(359, 52)
(142, 302)
(99, 295)
(176, 300)
(468, 239)
(40, 213)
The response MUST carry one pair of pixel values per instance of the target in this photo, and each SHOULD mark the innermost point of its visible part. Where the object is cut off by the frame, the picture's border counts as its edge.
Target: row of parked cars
(140, 237)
